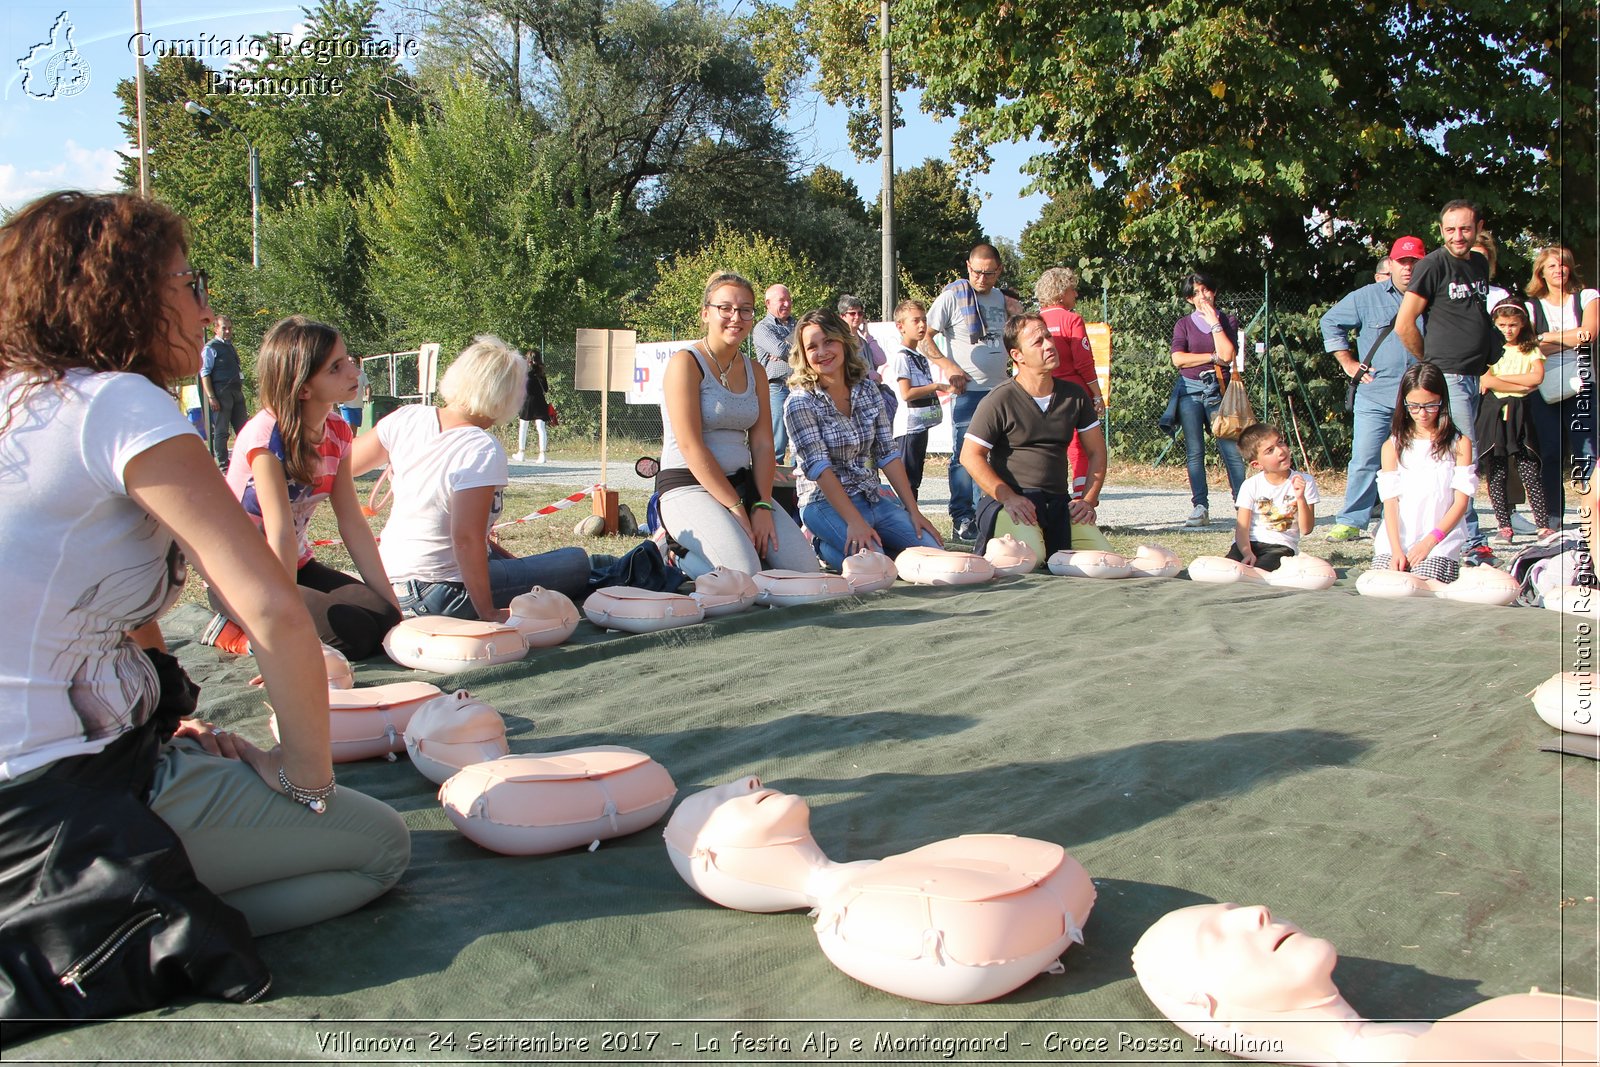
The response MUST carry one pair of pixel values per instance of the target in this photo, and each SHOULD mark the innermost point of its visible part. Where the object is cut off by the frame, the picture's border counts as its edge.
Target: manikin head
(1226, 961)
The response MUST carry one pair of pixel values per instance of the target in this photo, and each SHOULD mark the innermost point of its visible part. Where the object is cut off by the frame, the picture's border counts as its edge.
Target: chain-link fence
(1291, 382)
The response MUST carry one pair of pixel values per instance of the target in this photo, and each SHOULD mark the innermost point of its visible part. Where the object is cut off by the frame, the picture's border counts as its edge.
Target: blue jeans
(883, 514)
(1198, 400)
(1463, 397)
(566, 570)
(963, 490)
(777, 393)
(1565, 429)
(1370, 431)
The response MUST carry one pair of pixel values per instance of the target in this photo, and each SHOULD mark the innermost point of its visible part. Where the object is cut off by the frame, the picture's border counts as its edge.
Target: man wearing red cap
(1369, 312)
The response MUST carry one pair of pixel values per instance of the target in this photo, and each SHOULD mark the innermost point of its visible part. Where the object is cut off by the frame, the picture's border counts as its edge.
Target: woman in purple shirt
(1203, 342)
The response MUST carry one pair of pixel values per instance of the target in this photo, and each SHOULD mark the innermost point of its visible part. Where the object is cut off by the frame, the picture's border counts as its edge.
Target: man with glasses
(1451, 284)
(771, 338)
(223, 381)
(966, 330)
(1375, 378)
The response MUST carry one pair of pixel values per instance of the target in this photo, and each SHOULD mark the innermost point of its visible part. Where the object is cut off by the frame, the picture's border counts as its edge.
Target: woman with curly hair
(105, 490)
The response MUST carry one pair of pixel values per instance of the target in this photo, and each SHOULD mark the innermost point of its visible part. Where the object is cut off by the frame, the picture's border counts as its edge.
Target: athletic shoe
(1198, 517)
(222, 632)
(1505, 536)
(1478, 554)
(966, 530)
(519, 457)
(1342, 532)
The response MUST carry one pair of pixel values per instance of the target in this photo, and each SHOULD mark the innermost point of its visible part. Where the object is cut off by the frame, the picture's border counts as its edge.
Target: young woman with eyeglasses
(1426, 481)
(717, 467)
(105, 491)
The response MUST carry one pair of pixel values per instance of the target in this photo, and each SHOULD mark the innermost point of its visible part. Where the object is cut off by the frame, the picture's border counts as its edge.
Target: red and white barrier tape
(548, 509)
(551, 509)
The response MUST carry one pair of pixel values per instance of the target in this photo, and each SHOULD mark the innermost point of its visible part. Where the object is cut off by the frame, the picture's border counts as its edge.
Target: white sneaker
(1198, 517)
(519, 457)
(540, 459)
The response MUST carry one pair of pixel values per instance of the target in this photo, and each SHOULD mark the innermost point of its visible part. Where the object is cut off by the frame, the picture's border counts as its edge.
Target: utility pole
(886, 123)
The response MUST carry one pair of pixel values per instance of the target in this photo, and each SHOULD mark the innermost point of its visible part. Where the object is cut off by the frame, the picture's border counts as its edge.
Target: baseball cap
(1408, 248)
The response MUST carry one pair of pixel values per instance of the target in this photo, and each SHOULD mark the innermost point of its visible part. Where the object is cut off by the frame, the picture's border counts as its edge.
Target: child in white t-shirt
(919, 393)
(1275, 504)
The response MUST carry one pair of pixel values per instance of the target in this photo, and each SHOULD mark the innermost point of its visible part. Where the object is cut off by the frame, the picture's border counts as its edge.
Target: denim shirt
(1367, 311)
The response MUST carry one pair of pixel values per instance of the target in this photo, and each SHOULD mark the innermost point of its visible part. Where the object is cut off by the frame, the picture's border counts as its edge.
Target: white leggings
(712, 536)
(522, 435)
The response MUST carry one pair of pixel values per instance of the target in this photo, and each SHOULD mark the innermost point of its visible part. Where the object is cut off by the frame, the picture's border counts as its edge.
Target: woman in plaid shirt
(840, 431)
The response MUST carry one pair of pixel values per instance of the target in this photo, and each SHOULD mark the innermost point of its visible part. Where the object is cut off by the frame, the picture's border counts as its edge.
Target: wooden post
(605, 500)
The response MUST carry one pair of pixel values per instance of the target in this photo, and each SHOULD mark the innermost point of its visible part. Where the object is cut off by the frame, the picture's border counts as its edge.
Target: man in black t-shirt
(1016, 448)
(1451, 284)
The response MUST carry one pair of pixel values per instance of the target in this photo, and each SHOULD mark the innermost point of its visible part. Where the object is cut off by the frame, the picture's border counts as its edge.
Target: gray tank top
(725, 419)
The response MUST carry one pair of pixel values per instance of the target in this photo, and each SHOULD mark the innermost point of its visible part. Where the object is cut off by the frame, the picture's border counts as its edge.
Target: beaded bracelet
(315, 799)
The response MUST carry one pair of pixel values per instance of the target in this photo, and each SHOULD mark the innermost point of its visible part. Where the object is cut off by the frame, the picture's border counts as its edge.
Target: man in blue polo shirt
(1369, 313)
(223, 381)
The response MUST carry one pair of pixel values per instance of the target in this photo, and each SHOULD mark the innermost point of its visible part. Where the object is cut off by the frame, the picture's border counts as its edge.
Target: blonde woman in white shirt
(450, 475)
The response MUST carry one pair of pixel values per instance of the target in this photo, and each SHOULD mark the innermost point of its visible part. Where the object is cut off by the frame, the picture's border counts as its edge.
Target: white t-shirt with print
(427, 465)
(1272, 509)
(83, 565)
(984, 360)
(903, 364)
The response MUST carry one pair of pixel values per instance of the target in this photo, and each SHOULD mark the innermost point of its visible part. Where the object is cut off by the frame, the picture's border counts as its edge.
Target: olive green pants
(271, 858)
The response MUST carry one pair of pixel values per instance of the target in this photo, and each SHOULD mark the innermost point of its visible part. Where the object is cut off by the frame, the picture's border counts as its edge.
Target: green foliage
(672, 309)
(308, 143)
(475, 231)
(935, 223)
(1215, 132)
(314, 261)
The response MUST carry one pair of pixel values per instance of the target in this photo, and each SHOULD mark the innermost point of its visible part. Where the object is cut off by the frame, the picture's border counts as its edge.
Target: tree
(935, 223)
(282, 98)
(661, 106)
(672, 309)
(475, 230)
(315, 261)
(1226, 132)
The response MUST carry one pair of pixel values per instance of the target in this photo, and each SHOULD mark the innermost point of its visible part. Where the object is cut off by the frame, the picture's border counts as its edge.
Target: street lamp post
(255, 176)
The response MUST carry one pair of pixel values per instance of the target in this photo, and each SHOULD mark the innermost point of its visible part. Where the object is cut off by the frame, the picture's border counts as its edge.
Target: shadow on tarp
(1092, 796)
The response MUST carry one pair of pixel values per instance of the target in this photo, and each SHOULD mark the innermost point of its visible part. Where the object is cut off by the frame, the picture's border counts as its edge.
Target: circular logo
(66, 73)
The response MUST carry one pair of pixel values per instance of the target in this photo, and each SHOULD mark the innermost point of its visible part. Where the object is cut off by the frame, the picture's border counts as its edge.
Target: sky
(59, 119)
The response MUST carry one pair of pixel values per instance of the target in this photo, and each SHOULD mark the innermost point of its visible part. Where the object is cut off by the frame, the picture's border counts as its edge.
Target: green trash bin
(376, 408)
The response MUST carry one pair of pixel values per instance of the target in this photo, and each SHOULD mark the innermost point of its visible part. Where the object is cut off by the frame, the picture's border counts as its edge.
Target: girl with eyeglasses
(717, 466)
(1426, 482)
(106, 493)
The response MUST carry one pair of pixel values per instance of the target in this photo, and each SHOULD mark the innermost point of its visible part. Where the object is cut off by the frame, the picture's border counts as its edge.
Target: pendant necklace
(723, 372)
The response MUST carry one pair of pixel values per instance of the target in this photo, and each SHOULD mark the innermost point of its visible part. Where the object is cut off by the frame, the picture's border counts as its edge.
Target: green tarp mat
(1369, 769)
